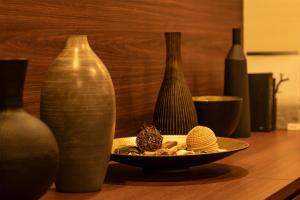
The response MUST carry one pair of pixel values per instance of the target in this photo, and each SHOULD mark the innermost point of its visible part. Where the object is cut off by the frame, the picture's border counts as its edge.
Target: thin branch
(281, 80)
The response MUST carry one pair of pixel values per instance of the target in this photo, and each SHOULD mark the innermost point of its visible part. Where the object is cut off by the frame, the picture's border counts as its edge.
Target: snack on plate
(149, 138)
(169, 144)
(173, 150)
(162, 152)
(202, 139)
(127, 150)
(149, 142)
(184, 152)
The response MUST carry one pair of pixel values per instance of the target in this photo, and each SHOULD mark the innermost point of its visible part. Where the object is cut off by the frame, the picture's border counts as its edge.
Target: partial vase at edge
(28, 150)
(175, 113)
(78, 104)
(236, 82)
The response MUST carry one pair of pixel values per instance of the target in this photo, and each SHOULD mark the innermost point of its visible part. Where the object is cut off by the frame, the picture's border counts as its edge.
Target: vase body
(29, 152)
(174, 113)
(236, 83)
(78, 104)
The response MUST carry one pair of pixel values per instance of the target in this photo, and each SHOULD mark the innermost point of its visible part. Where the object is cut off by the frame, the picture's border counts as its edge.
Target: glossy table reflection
(271, 162)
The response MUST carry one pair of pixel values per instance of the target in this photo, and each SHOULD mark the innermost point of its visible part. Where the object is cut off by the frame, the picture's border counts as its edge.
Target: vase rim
(79, 35)
(13, 59)
(216, 98)
(76, 40)
(173, 32)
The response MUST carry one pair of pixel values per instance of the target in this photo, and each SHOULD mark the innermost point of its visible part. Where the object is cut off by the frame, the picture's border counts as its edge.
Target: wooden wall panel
(128, 35)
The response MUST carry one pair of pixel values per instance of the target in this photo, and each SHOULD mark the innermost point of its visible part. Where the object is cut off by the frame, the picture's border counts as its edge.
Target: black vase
(28, 150)
(236, 82)
(175, 113)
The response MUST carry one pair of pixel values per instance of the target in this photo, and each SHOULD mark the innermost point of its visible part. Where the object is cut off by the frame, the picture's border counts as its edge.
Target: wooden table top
(270, 163)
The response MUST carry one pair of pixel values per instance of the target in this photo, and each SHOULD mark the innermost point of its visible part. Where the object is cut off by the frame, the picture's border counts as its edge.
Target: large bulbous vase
(28, 150)
(78, 104)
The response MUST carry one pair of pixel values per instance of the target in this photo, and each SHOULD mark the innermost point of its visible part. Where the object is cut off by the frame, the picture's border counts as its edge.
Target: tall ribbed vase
(78, 104)
(236, 82)
(28, 150)
(175, 112)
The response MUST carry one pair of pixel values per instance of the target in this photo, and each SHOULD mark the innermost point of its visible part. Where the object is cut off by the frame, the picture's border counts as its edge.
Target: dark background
(128, 35)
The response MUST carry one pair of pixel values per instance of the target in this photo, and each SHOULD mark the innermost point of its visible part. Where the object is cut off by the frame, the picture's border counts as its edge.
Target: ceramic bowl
(220, 113)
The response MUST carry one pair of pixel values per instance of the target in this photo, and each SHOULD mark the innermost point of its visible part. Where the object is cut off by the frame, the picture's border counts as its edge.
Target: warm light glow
(76, 59)
(101, 68)
(92, 71)
(273, 25)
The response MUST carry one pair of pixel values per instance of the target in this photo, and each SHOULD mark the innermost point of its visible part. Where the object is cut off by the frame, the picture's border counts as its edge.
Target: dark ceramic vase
(28, 150)
(78, 104)
(175, 113)
(236, 83)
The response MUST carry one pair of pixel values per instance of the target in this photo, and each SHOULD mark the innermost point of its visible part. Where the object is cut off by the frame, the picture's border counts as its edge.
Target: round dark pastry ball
(149, 138)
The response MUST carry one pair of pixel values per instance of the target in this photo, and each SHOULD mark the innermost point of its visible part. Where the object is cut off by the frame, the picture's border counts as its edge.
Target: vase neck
(12, 78)
(173, 53)
(236, 36)
(78, 41)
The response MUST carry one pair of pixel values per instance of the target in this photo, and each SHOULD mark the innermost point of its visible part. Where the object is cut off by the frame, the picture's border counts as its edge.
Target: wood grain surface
(270, 163)
(128, 36)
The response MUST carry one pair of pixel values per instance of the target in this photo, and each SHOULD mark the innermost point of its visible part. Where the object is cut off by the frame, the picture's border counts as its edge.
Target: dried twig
(281, 80)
